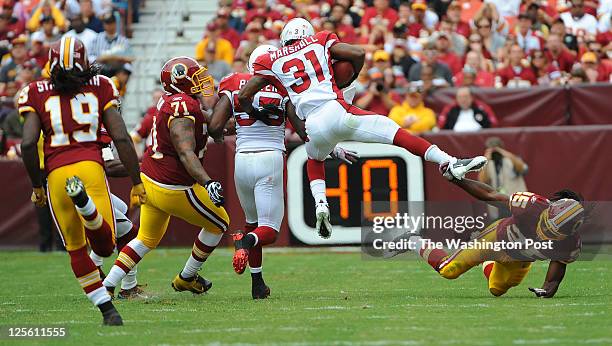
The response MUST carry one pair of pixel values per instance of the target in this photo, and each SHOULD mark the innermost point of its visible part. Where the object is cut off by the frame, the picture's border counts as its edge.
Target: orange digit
(341, 191)
(366, 176)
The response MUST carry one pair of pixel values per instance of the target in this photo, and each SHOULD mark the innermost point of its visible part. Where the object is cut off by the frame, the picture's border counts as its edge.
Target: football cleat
(457, 169)
(260, 291)
(323, 225)
(76, 191)
(112, 318)
(196, 284)
(135, 292)
(241, 255)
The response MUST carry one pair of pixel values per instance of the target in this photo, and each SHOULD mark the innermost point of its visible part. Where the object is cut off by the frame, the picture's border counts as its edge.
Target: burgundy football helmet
(67, 54)
(185, 75)
(560, 220)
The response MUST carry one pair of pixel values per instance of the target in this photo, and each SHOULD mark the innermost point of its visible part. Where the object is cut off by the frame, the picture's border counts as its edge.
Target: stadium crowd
(28, 27)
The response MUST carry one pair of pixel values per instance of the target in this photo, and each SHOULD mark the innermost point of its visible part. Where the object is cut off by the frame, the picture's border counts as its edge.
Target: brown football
(343, 73)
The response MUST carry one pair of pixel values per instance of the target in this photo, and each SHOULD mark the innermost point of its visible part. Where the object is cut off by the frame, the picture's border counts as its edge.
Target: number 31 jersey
(304, 69)
(253, 134)
(70, 123)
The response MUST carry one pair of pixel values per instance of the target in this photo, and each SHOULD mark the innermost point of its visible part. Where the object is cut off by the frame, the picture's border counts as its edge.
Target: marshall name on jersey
(526, 208)
(70, 123)
(253, 134)
(305, 70)
(161, 162)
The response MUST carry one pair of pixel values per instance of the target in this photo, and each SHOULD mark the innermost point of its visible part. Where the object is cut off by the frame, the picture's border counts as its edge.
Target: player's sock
(97, 260)
(255, 260)
(414, 144)
(130, 281)
(437, 155)
(97, 230)
(432, 256)
(316, 175)
(129, 256)
(88, 276)
(203, 246)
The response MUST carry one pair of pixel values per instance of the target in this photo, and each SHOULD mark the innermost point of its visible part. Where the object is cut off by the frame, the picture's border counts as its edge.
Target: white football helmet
(296, 29)
(261, 50)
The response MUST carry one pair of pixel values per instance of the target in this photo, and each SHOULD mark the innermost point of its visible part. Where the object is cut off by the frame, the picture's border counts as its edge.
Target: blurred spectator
(110, 46)
(27, 72)
(401, 59)
(83, 33)
(239, 66)
(457, 42)
(506, 8)
(594, 69)
(474, 72)
(11, 26)
(541, 21)
(227, 32)
(418, 26)
(412, 115)
(605, 36)
(492, 40)
(142, 132)
(48, 33)
(343, 21)
(121, 77)
(440, 70)
(516, 74)
(222, 48)
(216, 68)
(545, 72)
(379, 15)
(525, 37)
(504, 170)
(577, 21)
(38, 52)
(88, 15)
(567, 38)
(18, 55)
(558, 55)
(379, 96)
(260, 11)
(453, 14)
(577, 76)
(46, 8)
(466, 114)
(445, 54)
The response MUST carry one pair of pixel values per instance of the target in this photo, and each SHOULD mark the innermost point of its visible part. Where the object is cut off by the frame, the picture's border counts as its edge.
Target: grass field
(318, 298)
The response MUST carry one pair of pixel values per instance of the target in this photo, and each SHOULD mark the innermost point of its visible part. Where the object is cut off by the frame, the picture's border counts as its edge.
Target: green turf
(321, 298)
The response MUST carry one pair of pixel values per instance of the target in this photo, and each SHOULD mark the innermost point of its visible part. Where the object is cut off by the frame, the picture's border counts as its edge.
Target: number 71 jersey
(70, 123)
(304, 69)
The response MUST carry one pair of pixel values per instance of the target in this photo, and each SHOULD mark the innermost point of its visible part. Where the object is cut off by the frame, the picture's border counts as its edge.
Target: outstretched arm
(348, 52)
(483, 192)
(29, 150)
(220, 114)
(297, 123)
(248, 91)
(554, 276)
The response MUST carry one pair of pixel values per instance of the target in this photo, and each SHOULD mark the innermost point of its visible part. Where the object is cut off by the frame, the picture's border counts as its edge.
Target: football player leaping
(259, 165)
(303, 66)
(533, 217)
(70, 108)
(176, 182)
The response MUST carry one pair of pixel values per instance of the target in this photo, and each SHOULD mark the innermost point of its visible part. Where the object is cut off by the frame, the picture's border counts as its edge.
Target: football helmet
(185, 75)
(67, 54)
(296, 29)
(261, 50)
(560, 220)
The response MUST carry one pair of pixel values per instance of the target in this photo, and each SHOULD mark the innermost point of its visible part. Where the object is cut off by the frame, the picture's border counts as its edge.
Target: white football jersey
(253, 134)
(304, 69)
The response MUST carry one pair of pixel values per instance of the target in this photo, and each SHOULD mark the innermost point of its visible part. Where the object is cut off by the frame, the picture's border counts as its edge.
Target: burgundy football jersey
(161, 161)
(526, 208)
(71, 124)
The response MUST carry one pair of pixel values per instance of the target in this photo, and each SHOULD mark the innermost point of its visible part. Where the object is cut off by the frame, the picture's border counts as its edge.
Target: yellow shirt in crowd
(223, 50)
(425, 117)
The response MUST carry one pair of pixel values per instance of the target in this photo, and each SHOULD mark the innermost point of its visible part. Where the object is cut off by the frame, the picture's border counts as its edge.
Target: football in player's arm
(486, 193)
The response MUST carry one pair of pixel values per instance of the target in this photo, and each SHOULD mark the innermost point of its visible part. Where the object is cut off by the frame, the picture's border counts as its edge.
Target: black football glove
(215, 192)
(263, 113)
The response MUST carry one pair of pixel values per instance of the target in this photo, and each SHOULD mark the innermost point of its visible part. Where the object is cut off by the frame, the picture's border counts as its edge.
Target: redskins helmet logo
(179, 71)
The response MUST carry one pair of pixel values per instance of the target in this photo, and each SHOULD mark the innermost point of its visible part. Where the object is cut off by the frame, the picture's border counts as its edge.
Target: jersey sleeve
(145, 126)
(108, 94)
(526, 203)
(263, 67)
(227, 86)
(27, 101)
(328, 39)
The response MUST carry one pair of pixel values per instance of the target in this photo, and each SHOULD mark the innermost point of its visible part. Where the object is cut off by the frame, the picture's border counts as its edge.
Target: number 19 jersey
(304, 69)
(70, 123)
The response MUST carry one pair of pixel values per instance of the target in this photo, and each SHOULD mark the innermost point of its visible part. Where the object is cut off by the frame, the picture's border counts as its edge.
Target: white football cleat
(323, 226)
(459, 168)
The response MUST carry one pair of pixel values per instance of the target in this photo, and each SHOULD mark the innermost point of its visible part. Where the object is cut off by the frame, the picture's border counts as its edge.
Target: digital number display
(367, 180)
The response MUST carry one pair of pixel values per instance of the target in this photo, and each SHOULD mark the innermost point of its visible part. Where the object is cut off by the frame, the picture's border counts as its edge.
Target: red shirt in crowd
(346, 33)
(452, 60)
(389, 16)
(378, 106)
(564, 61)
(231, 35)
(483, 79)
(509, 73)
(604, 37)
(464, 29)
